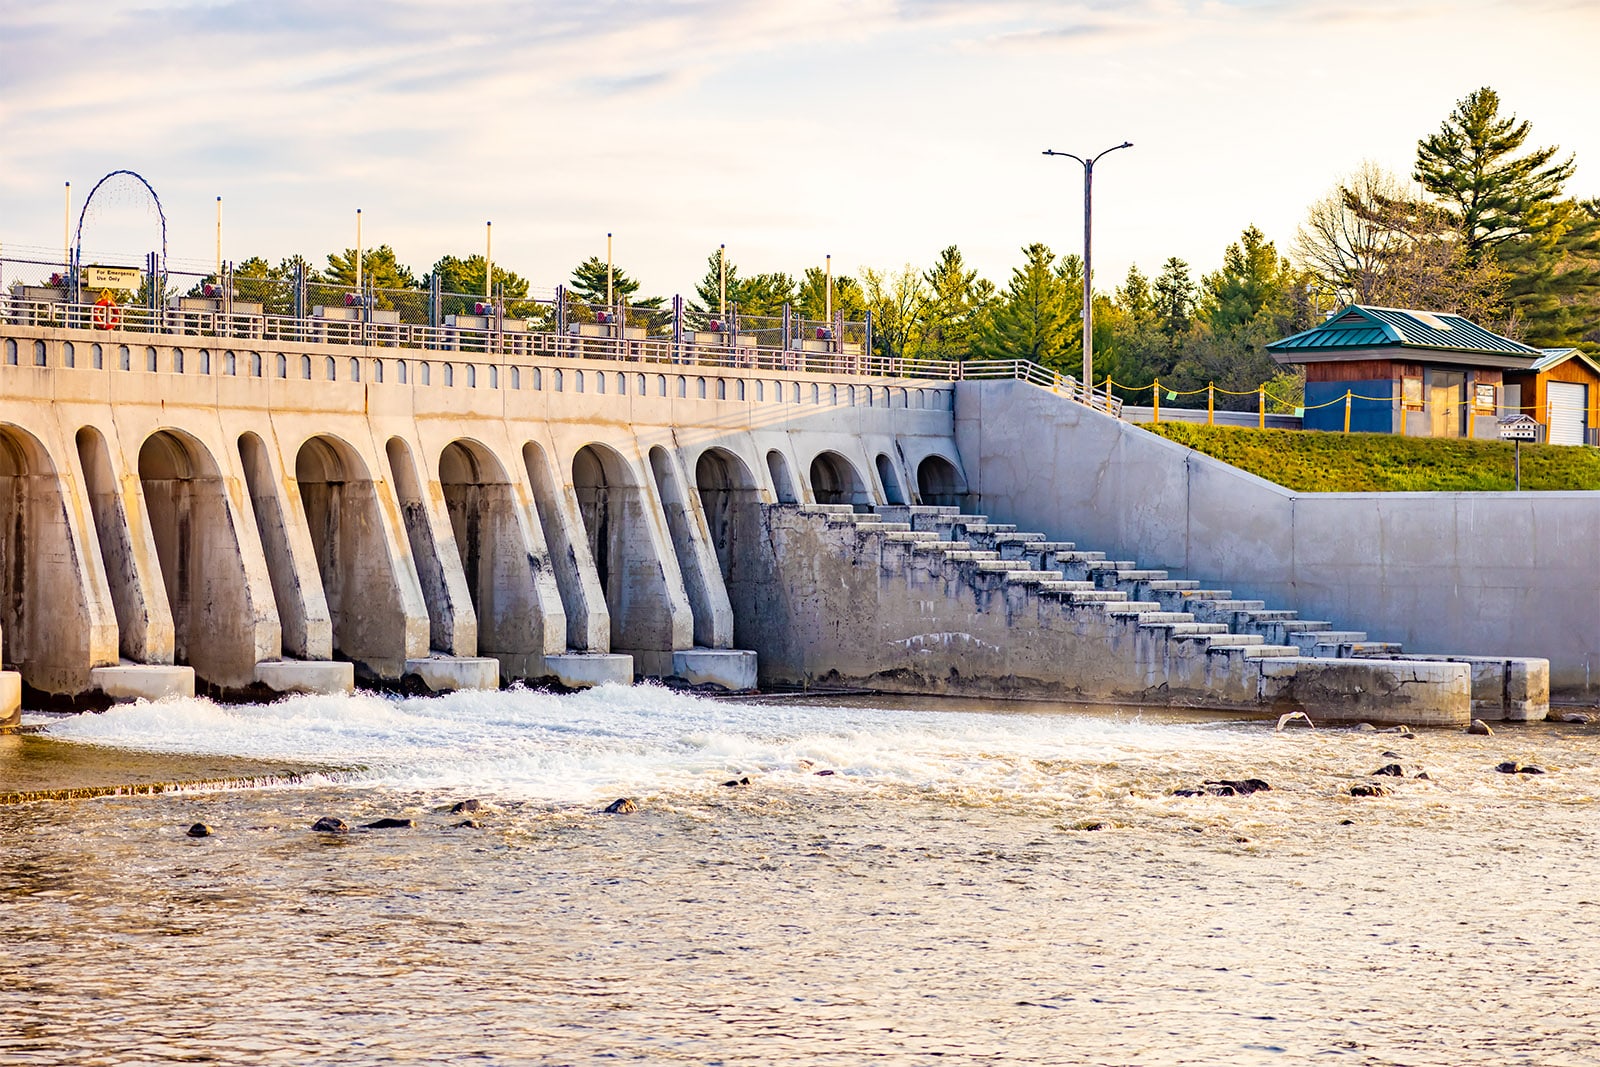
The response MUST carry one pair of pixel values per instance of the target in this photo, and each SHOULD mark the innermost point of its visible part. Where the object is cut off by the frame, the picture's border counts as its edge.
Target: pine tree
(896, 302)
(721, 278)
(812, 302)
(956, 309)
(1037, 317)
(588, 286)
(1490, 193)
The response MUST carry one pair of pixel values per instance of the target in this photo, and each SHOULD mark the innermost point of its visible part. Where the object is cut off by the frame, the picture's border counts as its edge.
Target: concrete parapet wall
(1497, 575)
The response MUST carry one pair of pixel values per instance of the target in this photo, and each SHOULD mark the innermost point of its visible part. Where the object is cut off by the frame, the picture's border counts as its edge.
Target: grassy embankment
(1374, 462)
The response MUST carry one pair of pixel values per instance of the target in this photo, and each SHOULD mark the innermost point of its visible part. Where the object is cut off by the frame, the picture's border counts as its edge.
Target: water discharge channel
(974, 883)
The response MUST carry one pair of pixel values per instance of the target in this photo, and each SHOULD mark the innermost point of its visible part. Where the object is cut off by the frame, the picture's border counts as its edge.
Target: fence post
(1155, 403)
(678, 355)
(1211, 403)
(1347, 411)
(1261, 407)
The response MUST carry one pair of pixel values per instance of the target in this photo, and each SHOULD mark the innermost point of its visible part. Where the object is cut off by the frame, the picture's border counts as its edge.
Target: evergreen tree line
(1486, 231)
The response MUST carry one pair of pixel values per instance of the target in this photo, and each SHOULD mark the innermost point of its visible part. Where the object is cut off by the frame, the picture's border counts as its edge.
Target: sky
(874, 131)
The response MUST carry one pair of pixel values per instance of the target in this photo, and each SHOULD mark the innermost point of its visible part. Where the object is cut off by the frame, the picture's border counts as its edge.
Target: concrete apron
(10, 699)
(444, 674)
(733, 669)
(584, 670)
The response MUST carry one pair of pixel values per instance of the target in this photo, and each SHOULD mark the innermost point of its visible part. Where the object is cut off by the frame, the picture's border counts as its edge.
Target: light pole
(1088, 275)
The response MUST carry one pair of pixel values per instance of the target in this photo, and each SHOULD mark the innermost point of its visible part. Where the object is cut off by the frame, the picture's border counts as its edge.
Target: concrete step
(1270, 651)
(1308, 640)
(1078, 556)
(969, 555)
(1008, 539)
(1173, 585)
(827, 509)
(1278, 631)
(1134, 608)
(936, 545)
(1188, 629)
(1152, 615)
(1032, 577)
(1361, 650)
(1235, 640)
(1088, 596)
(1015, 565)
(883, 527)
(905, 512)
(1140, 576)
(911, 536)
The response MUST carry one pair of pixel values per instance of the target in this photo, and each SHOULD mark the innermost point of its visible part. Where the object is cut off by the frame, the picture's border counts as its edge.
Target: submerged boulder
(390, 824)
(1369, 789)
(1393, 770)
(466, 806)
(622, 806)
(1514, 767)
(330, 825)
(199, 829)
(1480, 728)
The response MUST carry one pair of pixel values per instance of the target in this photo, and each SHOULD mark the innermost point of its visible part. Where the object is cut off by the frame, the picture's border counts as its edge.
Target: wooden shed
(1562, 391)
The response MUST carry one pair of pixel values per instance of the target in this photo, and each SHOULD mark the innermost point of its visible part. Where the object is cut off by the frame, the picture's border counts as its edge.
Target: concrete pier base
(731, 668)
(583, 670)
(10, 699)
(306, 676)
(1410, 691)
(444, 674)
(143, 681)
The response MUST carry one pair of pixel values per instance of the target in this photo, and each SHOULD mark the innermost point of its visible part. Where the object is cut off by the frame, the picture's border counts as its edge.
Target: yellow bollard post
(1211, 403)
(1261, 407)
(1155, 403)
(1347, 411)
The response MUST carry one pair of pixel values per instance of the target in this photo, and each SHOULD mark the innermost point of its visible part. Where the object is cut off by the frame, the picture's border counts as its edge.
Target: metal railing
(268, 310)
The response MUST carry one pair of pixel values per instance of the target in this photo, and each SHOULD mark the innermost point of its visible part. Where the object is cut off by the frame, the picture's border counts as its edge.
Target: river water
(974, 884)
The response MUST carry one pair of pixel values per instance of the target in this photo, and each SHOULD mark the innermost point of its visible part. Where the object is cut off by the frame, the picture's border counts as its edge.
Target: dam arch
(782, 480)
(503, 568)
(889, 478)
(617, 516)
(938, 481)
(697, 564)
(201, 558)
(144, 629)
(340, 502)
(582, 599)
(835, 480)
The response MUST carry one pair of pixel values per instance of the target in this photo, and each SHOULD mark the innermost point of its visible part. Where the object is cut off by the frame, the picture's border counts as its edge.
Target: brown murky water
(938, 899)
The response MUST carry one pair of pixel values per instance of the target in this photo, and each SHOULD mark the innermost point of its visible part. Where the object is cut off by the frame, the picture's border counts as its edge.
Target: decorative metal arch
(77, 244)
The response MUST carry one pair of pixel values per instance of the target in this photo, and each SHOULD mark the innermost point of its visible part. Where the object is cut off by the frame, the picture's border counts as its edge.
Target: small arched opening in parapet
(782, 480)
(343, 514)
(31, 512)
(113, 532)
(407, 485)
(615, 511)
(939, 482)
(890, 479)
(200, 556)
(834, 480)
(731, 503)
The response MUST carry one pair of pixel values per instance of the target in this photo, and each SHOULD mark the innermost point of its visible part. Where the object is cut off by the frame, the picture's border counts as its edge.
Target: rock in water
(199, 829)
(466, 806)
(1577, 718)
(1393, 770)
(1480, 728)
(1369, 789)
(737, 782)
(621, 806)
(1513, 767)
(330, 825)
(468, 824)
(1243, 787)
(390, 824)
(826, 774)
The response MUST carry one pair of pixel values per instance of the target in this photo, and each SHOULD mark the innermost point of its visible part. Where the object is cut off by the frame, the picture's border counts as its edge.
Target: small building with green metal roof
(1420, 373)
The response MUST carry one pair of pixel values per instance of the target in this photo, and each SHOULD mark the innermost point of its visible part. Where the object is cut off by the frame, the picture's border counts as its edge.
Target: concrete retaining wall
(1492, 574)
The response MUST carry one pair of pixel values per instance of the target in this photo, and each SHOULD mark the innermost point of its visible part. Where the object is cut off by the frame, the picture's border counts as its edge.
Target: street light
(1088, 276)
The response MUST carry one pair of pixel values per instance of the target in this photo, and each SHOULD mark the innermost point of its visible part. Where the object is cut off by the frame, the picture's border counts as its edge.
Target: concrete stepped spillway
(936, 600)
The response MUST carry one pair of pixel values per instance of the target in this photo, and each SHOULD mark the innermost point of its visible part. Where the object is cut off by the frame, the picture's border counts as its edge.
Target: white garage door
(1568, 413)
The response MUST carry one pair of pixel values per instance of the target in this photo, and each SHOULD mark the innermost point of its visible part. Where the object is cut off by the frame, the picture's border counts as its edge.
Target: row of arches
(599, 553)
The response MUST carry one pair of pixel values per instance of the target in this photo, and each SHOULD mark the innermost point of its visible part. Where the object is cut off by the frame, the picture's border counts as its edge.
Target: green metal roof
(1360, 326)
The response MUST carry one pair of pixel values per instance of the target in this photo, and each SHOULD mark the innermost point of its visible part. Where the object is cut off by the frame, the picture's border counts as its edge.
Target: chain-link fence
(295, 303)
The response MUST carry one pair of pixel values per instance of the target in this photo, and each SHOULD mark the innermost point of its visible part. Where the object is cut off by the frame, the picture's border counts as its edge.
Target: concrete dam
(243, 515)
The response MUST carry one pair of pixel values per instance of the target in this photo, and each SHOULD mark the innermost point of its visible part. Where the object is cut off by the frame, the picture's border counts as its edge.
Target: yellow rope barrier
(1263, 395)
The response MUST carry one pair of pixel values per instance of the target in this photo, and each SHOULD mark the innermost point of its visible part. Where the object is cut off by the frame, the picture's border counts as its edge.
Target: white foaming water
(574, 748)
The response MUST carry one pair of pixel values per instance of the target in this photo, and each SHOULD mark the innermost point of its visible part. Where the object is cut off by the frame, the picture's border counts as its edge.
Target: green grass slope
(1315, 462)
